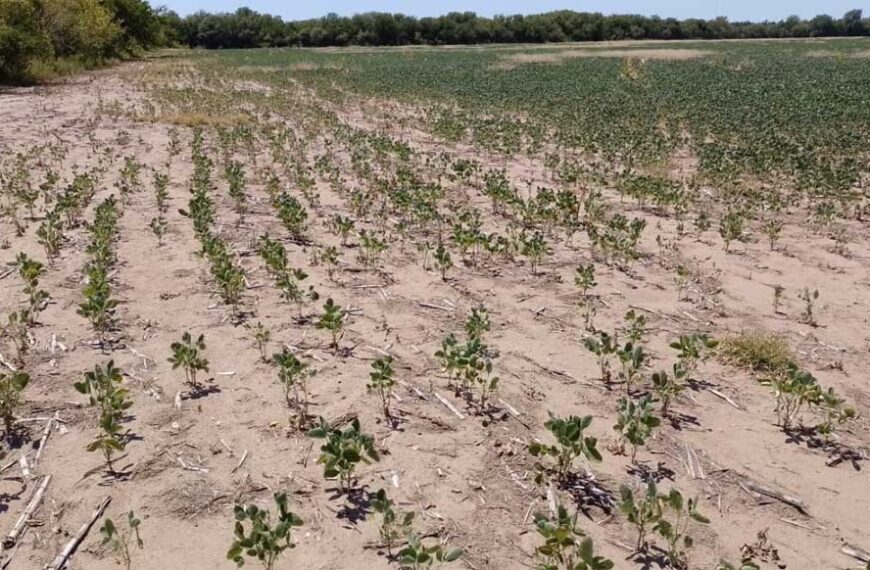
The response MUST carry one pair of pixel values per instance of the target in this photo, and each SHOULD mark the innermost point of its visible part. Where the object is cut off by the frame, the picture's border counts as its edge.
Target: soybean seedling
(809, 298)
(535, 248)
(442, 260)
(566, 546)
(11, 388)
(798, 388)
(731, 228)
(102, 386)
(186, 355)
(16, 329)
(772, 229)
(371, 248)
(418, 556)
(570, 445)
(675, 532)
(330, 258)
(394, 525)
(292, 214)
(835, 413)
(381, 381)
(633, 359)
(636, 328)
(642, 511)
(477, 323)
(603, 347)
(668, 387)
(691, 349)
(343, 450)
(120, 541)
(333, 320)
(342, 226)
(262, 336)
(30, 271)
(158, 227)
(778, 290)
(584, 278)
(635, 423)
(50, 234)
(293, 375)
(265, 541)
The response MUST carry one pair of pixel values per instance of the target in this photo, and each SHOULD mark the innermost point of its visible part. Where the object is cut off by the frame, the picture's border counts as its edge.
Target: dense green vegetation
(246, 28)
(38, 37)
(787, 114)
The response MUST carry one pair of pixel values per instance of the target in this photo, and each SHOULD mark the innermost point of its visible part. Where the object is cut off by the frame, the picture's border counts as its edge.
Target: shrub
(21, 38)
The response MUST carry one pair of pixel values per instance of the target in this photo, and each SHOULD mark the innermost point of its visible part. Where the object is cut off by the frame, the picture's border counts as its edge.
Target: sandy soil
(469, 479)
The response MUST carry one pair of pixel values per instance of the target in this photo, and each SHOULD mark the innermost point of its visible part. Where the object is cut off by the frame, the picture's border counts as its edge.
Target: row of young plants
(228, 275)
(379, 197)
(99, 304)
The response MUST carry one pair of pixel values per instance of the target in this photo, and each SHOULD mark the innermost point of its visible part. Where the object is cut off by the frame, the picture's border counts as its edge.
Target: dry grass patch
(760, 351)
(822, 53)
(513, 60)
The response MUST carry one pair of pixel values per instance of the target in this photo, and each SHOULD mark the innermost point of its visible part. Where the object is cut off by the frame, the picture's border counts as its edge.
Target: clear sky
(755, 10)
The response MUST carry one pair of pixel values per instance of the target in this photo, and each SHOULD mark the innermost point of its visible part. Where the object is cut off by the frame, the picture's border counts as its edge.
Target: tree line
(246, 28)
(45, 36)
(41, 37)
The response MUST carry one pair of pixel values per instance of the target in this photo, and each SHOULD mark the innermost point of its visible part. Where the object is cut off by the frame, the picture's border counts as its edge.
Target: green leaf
(453, 555)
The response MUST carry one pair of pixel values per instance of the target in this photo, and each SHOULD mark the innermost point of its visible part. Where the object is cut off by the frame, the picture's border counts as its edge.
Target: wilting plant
(121, 541)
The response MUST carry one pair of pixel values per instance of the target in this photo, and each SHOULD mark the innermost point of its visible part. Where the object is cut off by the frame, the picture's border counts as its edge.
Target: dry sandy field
(779, 488)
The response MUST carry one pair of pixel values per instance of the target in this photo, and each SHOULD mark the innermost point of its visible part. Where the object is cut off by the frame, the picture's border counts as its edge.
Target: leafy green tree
(22, 38)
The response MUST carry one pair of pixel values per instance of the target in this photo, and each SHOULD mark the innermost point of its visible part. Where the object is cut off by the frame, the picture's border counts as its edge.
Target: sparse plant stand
(187, 355)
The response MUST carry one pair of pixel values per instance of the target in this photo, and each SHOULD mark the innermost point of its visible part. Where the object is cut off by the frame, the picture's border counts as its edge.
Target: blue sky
(733, 9)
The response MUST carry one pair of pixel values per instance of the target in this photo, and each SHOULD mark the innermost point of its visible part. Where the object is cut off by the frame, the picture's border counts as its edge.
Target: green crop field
(783, 111)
